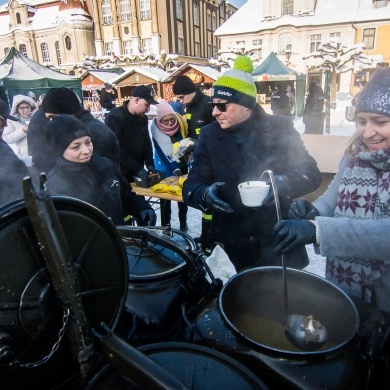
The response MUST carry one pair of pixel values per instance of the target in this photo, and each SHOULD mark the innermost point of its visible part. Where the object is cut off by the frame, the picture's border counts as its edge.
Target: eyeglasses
(24, 108)
(221, 106)
(168, 121)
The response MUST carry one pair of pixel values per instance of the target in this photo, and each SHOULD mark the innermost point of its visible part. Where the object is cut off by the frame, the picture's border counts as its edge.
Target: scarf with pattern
(364, 193)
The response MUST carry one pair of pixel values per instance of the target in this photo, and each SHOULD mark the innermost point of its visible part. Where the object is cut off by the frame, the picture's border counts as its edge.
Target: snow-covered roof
(206, 70)
(32, 3)
(153, 73)
(104, 76)
(250, 18)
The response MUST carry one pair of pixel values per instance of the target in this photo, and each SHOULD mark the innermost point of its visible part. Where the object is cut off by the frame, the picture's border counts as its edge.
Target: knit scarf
(364, 193)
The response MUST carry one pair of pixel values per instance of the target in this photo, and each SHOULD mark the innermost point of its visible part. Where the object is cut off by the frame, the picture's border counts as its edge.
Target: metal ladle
(292, 324)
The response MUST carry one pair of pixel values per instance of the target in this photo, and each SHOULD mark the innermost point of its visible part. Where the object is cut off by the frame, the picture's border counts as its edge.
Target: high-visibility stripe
(188, 115)
(207, 217)
(197, 131)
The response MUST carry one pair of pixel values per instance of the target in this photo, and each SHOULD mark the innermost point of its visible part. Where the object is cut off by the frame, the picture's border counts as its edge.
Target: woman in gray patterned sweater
(350, 222)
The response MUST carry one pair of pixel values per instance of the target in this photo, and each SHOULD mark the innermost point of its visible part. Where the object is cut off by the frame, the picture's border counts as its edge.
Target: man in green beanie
(243, 143)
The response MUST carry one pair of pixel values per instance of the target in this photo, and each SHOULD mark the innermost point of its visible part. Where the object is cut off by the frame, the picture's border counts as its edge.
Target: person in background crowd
(361, 86)
(16, 131)
(130, 124)
(12, 169)
(313, 116)
(198, 114)
(350, 222)
(95, 180)
(40, 100)
(31, 94)
(108, 97)
(280, 103)
(167, 129)
(65, 101)
(239, 147)
(291, 99)
(178, 106)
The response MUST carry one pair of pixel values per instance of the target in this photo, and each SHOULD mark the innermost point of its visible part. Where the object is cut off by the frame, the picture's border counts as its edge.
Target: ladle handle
(279, 215)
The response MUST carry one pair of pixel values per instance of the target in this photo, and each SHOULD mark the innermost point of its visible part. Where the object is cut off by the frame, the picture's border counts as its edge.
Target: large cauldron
(246, 323)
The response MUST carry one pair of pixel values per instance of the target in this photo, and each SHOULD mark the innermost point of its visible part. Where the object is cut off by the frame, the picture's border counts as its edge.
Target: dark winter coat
(107, 100)
(198, 113)
(12, 172)
(314, 101)
(98, 183)
(134, 140)
(104, 140)
(280, 103)
(270, 143)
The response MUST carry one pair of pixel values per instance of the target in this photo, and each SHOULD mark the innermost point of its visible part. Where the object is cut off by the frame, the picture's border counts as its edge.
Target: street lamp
(288, 56)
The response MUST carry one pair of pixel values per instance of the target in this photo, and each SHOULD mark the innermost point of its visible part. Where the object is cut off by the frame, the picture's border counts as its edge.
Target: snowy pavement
(338, 126)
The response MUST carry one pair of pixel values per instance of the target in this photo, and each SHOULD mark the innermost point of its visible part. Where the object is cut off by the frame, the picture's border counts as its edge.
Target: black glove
(290, 234)
(151, 169)
(282, 185)
(210, 197)
(143, 174)
(148, 217)
(192, 146)
(302, 209)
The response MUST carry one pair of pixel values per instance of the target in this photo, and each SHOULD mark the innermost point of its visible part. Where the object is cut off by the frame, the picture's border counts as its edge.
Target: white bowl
(253, 192)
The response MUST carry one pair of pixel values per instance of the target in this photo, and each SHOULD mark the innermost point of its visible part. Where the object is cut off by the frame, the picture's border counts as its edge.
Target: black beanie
(375, 96)
(183, 86)
(63, 129)
(61, 101)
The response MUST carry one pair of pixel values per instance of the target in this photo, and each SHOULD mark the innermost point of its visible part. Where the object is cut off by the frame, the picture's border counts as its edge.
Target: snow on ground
(338, 126)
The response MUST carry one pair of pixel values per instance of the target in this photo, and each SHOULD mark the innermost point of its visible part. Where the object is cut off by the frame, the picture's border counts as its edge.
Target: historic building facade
(61, 33)
(293, 29)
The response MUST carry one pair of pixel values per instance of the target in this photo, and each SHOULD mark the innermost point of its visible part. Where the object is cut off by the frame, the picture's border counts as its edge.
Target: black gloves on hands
(290, 234)
(151, 169)
(192, 146)
(148, 217)
(282, 185)
(143, 174)
(210, 197)
(302, 209)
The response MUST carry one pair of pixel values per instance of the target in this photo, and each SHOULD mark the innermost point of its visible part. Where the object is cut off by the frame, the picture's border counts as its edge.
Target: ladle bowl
(296, 336)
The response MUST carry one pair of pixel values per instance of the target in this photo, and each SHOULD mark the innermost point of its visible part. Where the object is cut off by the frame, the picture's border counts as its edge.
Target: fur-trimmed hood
(22, 98)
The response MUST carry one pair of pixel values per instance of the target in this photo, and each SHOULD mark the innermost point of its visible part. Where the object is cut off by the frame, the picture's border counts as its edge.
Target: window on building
(315, 42)
(209, 51)
(258, 52)
(285, 43)
(335, 35)
(45, 52)
(68, 42)
(208, 20)
(240, 44)
(6, 50)
(128, 48)
(257, 42)
(196, 14)
(125, 10)
(180, 46)
(215, 51)
(144, 9)
(58, 51)
(23, 49)
(287, 7)
(179, 10)
(147, 46)
(213, 22)
(106, 12)
(369, 38)
(197, 49)
(109, 46)
(18, 19)
(380, 3)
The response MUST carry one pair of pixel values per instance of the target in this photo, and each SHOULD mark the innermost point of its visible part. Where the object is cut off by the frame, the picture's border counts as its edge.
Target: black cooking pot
(165, 278)
(252, 304)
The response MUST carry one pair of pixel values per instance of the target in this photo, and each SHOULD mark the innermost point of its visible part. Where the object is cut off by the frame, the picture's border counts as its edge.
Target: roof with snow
(250, 18)
(153, 73)
(206, 70)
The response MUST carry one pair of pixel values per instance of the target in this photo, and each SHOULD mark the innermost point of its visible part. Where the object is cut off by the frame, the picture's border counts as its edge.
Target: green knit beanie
(236, 85)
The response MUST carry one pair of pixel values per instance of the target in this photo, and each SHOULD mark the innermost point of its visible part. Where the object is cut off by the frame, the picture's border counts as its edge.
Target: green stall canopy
(273, 69)
(19, 75)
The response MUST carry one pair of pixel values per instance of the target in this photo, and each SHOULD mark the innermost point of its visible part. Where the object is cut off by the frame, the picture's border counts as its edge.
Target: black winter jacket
(134, 140)
(272, 143)
(198, 114)
(314, 101)
(12, 172)
(104, 140)
(99, 183)
(280, 103)
(107, 100)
